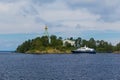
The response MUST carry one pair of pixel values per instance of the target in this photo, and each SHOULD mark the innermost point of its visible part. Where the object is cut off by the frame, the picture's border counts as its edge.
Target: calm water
(14, 66)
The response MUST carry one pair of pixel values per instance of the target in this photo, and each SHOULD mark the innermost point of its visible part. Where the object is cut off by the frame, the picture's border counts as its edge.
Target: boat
(84, 50)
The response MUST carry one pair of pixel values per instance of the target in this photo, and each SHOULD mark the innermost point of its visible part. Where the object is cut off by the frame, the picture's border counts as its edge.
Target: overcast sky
(25, 19)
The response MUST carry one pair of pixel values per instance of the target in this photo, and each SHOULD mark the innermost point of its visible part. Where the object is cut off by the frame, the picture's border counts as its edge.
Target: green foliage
(25, 46)
(78, 42)
(117, 47)
(43, 43)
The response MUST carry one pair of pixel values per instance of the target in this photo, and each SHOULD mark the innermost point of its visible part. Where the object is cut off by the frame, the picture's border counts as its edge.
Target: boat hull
(90, 52)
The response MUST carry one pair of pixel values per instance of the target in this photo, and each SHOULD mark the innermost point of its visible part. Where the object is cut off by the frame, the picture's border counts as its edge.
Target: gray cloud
(107, 9)
(28, 10)
(61, 16)
(58, 14)
(40, 2)
(8, 1)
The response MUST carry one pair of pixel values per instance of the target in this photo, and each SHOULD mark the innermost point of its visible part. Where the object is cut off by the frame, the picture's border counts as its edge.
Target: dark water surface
(14, 66)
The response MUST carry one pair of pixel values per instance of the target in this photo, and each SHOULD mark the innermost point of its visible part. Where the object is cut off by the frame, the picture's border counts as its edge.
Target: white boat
(84, 50)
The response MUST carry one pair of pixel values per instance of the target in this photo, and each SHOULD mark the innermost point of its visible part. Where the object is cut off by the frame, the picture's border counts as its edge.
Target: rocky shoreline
(116, 52)
(49, 51)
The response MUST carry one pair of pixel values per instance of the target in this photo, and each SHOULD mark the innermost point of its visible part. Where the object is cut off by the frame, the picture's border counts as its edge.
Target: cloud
(63, 17)
(107, 9)
(30, 16)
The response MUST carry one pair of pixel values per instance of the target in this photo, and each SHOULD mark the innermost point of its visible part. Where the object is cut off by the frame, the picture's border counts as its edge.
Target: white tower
(47, 34)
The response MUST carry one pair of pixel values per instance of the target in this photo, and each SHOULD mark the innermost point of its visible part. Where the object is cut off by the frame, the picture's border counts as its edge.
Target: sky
(21, 20)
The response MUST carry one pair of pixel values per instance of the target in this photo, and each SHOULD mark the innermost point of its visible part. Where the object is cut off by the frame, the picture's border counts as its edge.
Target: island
(58, 45)
(45, 44)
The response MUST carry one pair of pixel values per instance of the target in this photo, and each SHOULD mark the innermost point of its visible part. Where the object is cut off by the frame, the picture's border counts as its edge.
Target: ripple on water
(59, 67)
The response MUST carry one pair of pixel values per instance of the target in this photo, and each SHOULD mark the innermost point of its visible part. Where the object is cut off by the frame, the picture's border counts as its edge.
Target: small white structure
(47, 34)
(69, 41)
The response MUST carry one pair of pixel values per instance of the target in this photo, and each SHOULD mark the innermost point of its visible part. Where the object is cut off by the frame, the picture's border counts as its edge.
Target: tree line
(44, 42)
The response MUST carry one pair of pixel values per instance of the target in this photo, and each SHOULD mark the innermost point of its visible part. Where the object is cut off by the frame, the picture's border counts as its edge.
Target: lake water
(14, 66)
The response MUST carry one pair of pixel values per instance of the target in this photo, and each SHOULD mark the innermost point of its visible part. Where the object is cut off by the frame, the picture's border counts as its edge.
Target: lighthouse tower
(46, 31)
(47, 34)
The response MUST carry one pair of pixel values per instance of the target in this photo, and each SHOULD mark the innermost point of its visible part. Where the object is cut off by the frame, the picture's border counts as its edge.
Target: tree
(78, 42)
(56, 42)
(37, 43)
(92, 43)
(45, 41)
(84, 42)
(24, 47)
(71, 38)
(68, 45)
(117, 47)
(53, 40)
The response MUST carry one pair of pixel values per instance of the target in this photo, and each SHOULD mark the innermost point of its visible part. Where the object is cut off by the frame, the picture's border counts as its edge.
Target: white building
(69, 41)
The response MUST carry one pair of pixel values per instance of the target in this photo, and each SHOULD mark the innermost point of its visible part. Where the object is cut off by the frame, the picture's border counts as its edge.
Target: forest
(54, 44)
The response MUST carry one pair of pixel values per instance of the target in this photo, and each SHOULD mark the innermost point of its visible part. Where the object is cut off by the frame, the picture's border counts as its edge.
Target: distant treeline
(44, 42)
